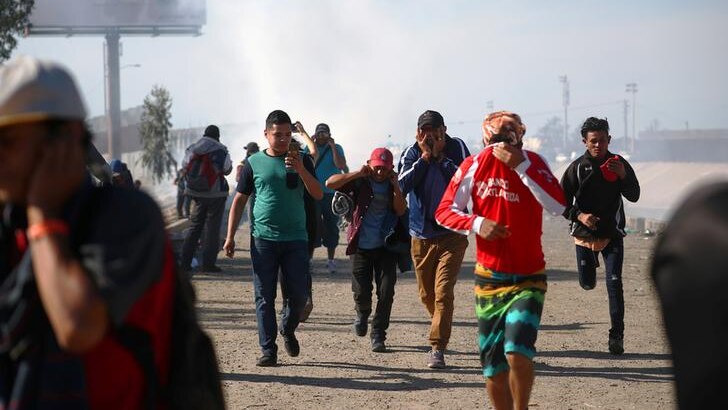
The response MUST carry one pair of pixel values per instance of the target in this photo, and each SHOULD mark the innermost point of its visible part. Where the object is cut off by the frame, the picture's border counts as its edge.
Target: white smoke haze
(368, 68)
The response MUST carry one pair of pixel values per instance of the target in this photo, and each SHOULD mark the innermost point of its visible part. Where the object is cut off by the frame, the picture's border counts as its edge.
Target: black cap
(322, 128)
(431, 119)
(252, 147)
(212, 131)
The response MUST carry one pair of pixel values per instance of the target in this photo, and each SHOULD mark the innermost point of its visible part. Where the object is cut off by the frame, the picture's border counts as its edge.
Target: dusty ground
(336, 369)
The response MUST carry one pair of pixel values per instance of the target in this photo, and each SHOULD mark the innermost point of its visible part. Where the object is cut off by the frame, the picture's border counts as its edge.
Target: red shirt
(489, 189)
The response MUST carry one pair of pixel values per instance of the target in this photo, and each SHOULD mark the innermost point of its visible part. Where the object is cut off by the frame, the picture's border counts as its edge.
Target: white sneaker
(331, 266)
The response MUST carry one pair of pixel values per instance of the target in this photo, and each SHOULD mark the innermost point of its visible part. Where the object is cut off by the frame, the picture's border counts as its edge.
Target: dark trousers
(183, 204)
(587, 262)
(291, 257)
(379, 265)
(206, 215)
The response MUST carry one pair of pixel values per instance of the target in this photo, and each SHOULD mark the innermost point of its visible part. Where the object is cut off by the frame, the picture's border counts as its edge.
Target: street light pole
(565, 97)
(632, 88)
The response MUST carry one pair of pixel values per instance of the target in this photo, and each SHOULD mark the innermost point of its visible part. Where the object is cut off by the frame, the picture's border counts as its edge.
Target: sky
(368, 68)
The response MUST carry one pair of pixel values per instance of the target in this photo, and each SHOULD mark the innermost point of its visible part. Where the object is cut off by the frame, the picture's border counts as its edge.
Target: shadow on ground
(380, 379)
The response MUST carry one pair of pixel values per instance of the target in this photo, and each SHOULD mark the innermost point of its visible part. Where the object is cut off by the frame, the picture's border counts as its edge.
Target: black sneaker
(291, 344)
(267, 360)
(378, 346)
(616, 345)
(211, 269)
(360, 326)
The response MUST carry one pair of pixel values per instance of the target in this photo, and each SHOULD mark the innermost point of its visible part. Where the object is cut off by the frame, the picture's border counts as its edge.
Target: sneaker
(211, 269)
(331, 266)
(360, 326)
(291, 344)
(436, 359)
(616, 345)
(267, 360)
(378, 346)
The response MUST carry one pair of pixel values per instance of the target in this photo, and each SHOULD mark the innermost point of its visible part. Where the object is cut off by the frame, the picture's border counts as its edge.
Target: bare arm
(77, 313)
(339, 159)
(312, 148)
(236, 211)
(309, 181)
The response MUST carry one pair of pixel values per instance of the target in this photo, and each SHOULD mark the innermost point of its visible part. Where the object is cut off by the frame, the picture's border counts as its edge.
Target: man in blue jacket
(425, 170)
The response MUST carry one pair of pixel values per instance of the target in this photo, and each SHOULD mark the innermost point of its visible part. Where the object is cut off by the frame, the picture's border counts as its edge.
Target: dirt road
(337, 370)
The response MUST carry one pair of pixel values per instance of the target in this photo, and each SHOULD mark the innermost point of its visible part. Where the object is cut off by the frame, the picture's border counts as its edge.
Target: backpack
(202, 172)
(194, 376)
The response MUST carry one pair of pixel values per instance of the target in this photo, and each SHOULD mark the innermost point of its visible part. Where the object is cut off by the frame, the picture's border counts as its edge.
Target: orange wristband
(47, 227)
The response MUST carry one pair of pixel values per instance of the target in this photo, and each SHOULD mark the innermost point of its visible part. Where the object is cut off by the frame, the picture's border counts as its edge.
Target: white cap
(34, 90)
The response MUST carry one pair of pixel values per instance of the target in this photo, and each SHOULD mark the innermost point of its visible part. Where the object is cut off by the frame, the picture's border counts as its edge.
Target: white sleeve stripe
(403, 156)
(547, 201)
(463, 196)
(412, 168)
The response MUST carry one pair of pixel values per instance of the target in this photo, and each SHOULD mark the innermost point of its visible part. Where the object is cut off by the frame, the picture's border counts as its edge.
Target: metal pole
(113, 95)
(626, 124)
(632, 88)
(634, 120)
(565, 97)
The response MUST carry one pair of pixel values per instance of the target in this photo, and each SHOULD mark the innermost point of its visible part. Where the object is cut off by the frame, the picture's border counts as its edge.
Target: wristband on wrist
(47, 227)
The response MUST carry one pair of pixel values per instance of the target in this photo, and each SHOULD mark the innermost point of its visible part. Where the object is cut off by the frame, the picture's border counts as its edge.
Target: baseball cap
(431, 119)
(34, 90)
(322, 128)
(252, 147)
(381, 157)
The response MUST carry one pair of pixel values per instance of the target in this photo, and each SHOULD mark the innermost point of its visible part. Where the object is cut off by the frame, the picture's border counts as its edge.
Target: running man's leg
(613, 260)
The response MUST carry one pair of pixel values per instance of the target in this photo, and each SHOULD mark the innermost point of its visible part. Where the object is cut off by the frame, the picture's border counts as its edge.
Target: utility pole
(565, 97)
(626, 123)
(632, 88)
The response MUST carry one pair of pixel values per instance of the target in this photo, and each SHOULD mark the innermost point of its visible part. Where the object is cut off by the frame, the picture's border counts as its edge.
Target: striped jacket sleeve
(451, 213)
(545, 187)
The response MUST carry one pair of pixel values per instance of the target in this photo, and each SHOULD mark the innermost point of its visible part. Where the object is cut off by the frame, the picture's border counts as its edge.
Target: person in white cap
(75, 265)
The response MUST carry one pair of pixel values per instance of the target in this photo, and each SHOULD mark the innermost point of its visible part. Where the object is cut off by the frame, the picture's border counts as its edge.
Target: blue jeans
(291, 257)
(587, 262)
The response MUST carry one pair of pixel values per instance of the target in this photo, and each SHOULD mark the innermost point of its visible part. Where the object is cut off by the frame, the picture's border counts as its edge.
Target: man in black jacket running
(593, 187)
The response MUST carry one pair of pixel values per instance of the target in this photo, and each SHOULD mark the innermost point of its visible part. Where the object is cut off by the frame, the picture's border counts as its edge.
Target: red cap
(381, 157)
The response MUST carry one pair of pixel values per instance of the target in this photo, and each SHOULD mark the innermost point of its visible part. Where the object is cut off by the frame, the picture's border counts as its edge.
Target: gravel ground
(336, 369)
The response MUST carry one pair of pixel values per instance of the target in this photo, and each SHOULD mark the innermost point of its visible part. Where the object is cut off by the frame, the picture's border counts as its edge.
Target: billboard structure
(112, 19)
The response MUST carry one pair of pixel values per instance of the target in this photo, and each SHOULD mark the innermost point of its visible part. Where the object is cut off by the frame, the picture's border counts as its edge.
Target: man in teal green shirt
(280, 240)
(330, 160)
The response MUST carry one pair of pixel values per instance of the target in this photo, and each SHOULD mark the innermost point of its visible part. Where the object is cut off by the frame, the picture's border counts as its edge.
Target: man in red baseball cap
(375, 235)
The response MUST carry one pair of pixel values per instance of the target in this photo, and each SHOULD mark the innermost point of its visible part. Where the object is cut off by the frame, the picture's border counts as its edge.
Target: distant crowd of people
(90, 291)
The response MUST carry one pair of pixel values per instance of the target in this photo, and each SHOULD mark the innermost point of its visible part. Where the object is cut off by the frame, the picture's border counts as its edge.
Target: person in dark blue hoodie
(425, 170)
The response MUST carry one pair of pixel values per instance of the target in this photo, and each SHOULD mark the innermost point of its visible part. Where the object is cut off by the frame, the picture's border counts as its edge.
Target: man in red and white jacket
(499, 194)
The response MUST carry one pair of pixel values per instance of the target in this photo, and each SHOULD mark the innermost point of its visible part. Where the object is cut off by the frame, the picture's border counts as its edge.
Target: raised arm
(312, 148)
(337, 181)
(411, 169)
(338, 155)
